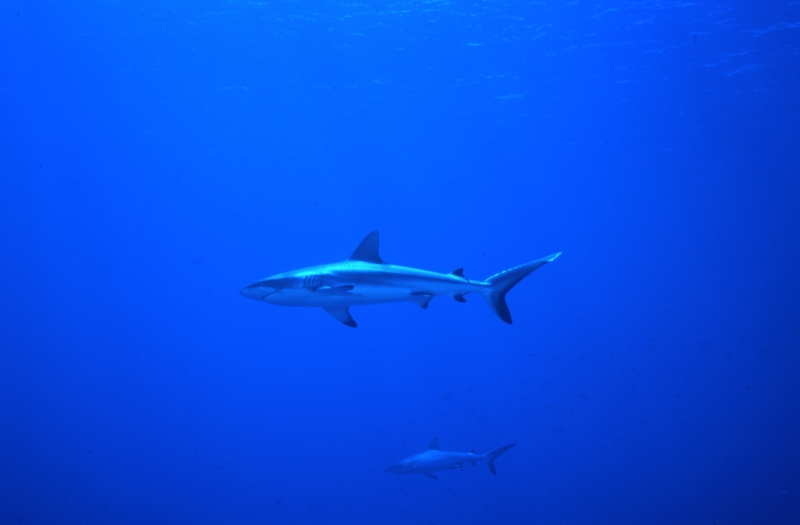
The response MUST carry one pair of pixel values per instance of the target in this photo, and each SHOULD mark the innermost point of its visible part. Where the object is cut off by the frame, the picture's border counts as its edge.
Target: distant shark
(365, 278)
(434, 460)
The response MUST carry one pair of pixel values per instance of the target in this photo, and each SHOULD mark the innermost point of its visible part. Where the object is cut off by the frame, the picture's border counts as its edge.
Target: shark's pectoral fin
(430, 475)
(421, 298)
(342, 315)
(460, 298)
(336, 290)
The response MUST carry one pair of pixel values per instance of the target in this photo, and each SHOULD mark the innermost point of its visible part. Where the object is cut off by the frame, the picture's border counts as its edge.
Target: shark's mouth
(258, 291)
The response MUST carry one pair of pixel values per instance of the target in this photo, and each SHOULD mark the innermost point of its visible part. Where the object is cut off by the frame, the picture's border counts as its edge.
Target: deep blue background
(155, 157)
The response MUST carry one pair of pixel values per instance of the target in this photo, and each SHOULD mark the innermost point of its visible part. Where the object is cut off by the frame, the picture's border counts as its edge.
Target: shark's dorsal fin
(367, 251)
(459, 272)
(434, 444)
(342, 315)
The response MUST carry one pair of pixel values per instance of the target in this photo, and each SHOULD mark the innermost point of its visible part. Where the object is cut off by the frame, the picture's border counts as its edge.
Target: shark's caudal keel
(434, 460)
(365, 278)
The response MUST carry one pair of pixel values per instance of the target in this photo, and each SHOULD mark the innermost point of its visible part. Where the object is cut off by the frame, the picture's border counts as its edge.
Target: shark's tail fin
(504, 281)
(491, 456)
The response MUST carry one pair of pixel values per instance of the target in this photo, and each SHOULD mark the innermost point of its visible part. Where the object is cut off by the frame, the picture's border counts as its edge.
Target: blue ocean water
(155, 157)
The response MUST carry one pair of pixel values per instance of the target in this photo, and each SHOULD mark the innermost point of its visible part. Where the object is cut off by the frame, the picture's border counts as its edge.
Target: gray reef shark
(434, 460)
(365, 278)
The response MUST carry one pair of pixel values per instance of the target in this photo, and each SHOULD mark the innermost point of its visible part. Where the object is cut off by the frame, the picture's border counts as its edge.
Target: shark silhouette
(434, 460)
(365, 278)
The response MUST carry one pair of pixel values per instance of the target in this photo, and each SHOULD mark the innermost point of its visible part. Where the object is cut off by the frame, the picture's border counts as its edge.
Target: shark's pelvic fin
(460, 298)
(342, 315)
(434, 444)
(367, 251)
(504, 281)
(422, 298)
(491, 456)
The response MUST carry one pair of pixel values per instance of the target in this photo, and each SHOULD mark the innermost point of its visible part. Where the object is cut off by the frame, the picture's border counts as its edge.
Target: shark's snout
(396, 469)
(258, 290)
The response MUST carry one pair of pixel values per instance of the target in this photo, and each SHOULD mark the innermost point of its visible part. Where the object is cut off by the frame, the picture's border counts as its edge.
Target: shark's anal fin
(434, 445)
(460, 298)
(336, 290)
(421, 298)
(430, 475)
(367, 251)
(342, 315)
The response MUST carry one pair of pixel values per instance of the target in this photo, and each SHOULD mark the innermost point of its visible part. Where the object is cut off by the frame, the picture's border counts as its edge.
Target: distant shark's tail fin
(491, 456)
(504, 281)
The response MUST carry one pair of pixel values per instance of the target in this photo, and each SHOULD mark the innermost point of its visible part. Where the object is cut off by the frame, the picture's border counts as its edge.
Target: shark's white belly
(364, 294)
(436, 461)
(361, 294)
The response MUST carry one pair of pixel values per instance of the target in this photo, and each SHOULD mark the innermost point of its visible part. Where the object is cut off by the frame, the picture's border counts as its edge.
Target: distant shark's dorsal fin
(434, 444)
(367, 251)
(459, 272)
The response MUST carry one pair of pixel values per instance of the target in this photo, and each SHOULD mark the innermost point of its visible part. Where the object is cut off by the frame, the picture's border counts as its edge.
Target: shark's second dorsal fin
(434, 444)
(458, 272)
(367, 251)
